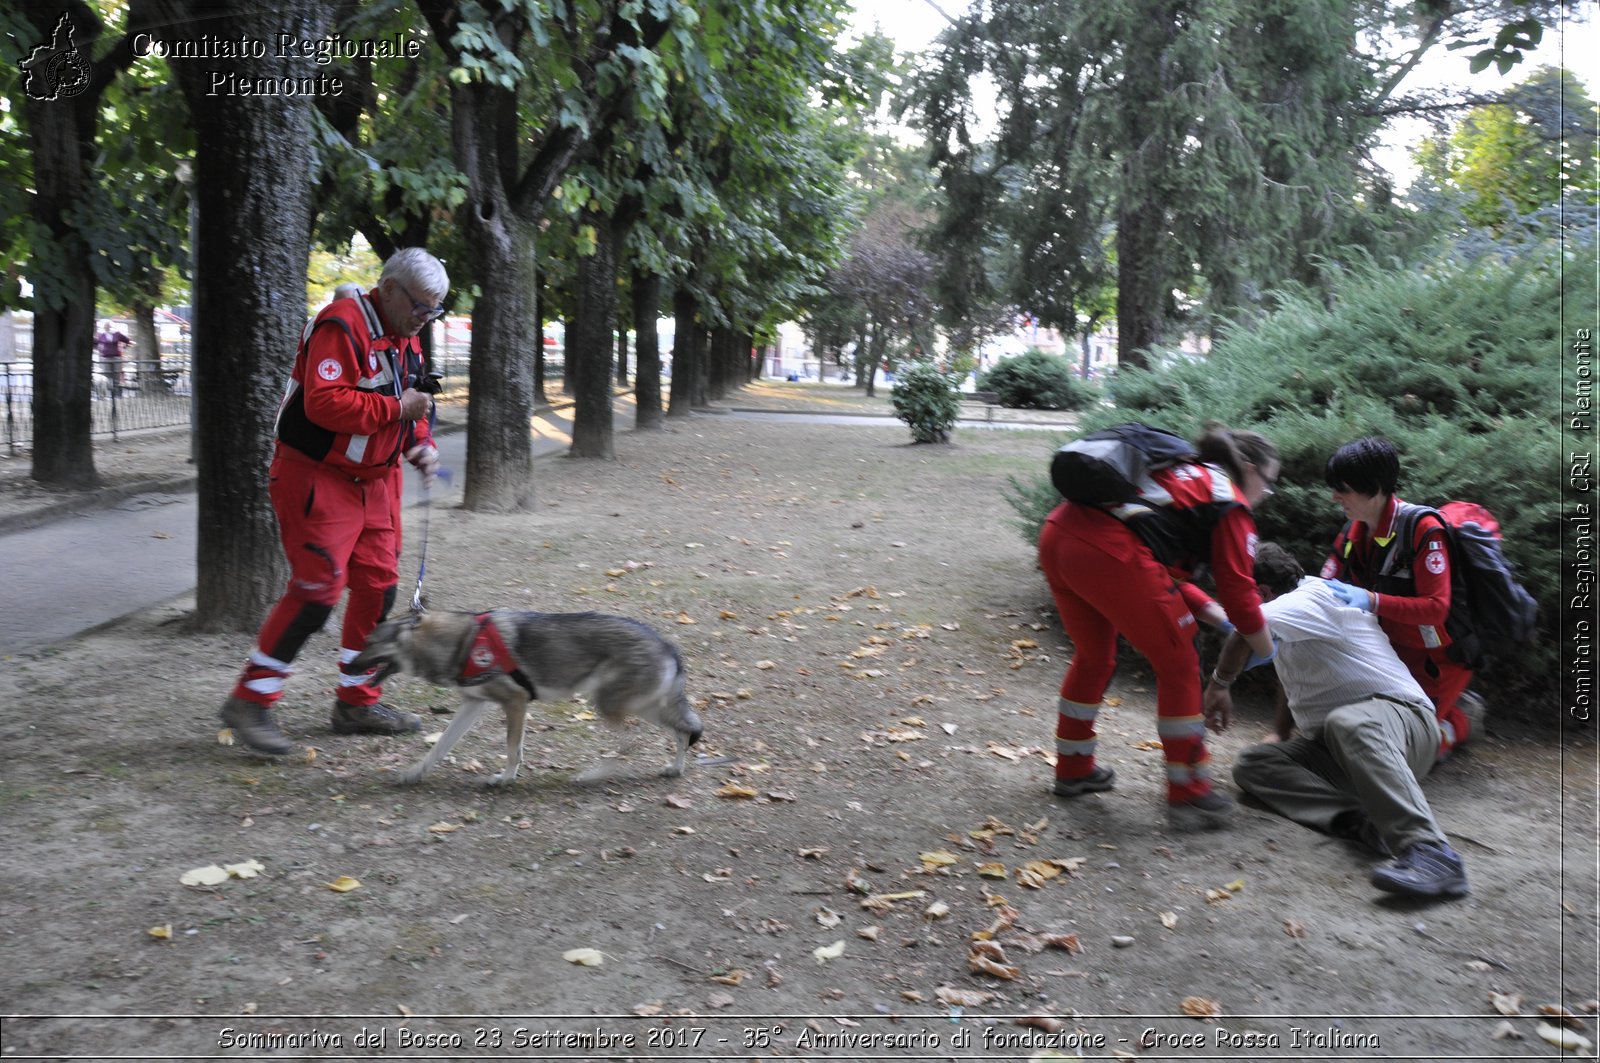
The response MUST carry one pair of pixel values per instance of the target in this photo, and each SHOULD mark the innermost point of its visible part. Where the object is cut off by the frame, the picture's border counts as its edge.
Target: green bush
(1035, 380)
(1452, 362)
(928, 401)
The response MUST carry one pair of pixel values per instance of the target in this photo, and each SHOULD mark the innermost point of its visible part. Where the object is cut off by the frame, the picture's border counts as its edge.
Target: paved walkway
(76, 562)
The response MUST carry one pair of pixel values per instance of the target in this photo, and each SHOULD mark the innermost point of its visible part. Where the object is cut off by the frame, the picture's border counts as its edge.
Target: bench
(989, 399)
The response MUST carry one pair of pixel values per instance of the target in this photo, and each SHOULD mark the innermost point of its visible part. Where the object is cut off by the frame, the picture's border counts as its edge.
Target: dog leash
(417, 608)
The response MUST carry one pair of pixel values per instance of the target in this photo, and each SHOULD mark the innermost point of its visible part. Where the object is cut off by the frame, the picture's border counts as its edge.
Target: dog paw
(505, 778)
(672, 771)
(411, 776)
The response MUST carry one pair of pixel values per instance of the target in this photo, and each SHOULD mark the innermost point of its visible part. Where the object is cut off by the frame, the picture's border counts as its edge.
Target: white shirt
(1331, 655)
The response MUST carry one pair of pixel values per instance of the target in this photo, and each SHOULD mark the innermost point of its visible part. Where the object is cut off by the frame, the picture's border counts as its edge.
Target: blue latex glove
(1257, 659)
(1351, 595)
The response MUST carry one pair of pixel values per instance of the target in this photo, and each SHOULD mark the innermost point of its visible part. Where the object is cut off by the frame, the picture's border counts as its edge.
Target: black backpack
(1490, 612)
(1104, 468)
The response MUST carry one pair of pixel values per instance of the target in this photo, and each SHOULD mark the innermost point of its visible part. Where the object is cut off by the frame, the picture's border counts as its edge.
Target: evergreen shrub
(1035, 380)
(928, 401)
(1457, 363)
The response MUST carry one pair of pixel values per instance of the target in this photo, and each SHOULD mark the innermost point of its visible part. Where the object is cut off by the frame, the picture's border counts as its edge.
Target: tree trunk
(647, 350)
(684, 367)
(253, 170)
(538, 346)
(568, 327)
(146, 353)
(589, 345)
(61, 119)
(719, 370)
(499, 444)
(751, 358)
(1141, 302)
(622, 353)
(700, 384)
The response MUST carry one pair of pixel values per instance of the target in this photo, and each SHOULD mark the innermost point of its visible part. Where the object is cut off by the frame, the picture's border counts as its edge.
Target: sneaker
(1209, 811)
(254, 726)
(374, 719)
(1427, 869)
(1097, 781)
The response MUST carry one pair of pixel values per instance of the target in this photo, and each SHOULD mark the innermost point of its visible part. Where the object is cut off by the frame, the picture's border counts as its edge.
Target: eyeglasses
(418, 309)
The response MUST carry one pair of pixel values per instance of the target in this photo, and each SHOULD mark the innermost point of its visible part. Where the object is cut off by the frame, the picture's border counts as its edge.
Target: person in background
(347, 290)
(110, 343)
(356, 404)
(1128, 571)
(1368, 734)
(1411, 599)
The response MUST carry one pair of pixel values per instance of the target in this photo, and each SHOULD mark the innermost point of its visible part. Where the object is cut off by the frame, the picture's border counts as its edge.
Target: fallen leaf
(735, 792)
(912, 995)
(938, 858)
(584, 957)
(674, 801)
(828, 918)
(245, 869)
(1201, 1007)
(828, 952)
(403, 1010)
(646, 1011)
(1505, 1030)
(1506, 1003)
(814, 853)
(1563, 1038)
(937, 910)
(1562, 1016)
(444, 828)
(683, 830)
(583, 715)
(992, 870)
(161, 933)
(733, 977)
(962, 998)
(869, 932)
(685, 618)
(210, 875)
(1041, 1022)
(985, 965)
(1169, 919)
(766, 665)
(343, 884)
(1045, 869)
(1065, 942)
(1294, 928)
(1235, 886)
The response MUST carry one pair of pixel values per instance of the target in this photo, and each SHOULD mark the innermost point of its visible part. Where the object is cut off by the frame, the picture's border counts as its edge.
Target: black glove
(430, 384)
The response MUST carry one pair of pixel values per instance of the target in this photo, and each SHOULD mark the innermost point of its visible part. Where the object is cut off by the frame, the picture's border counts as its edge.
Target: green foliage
(1035, 380)
(928, 401)
(1450, 362)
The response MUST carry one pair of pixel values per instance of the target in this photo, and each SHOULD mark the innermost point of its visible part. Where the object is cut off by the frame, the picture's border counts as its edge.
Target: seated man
(1367, 731)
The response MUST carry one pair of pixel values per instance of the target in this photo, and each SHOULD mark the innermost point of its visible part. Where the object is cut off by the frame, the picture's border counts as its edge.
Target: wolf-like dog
(509, 657)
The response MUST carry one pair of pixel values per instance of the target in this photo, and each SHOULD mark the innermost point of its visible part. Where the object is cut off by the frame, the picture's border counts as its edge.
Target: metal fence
(125, 394)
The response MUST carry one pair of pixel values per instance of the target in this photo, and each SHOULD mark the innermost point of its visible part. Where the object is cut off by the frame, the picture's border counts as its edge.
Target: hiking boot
(1097, 781)
(1427, 869)
(1209, 811)
(253, 725)
(374, 719)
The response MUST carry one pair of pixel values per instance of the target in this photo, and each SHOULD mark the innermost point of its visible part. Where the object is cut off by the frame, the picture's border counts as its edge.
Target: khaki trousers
(1369, 758)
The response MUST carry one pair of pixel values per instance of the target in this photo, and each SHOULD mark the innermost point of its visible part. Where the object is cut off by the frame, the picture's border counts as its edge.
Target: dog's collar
(489, 656)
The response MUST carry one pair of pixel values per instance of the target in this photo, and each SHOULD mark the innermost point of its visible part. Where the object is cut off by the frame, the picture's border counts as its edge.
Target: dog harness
(489, 656)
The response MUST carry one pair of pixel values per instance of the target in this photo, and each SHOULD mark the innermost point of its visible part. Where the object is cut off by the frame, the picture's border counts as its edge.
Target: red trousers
(337, 532)
(1105, 581)
(1444, 681)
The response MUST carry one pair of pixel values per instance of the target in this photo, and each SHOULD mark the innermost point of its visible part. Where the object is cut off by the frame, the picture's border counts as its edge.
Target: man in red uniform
(352, 410)
(1410, 599)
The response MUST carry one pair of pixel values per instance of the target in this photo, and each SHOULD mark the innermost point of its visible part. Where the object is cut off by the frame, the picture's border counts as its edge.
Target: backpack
(1489, 610)
(1104, 468)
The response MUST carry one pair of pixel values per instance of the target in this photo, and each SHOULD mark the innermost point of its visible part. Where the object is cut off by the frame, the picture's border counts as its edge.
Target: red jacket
(1194, 515)
(342, 406)
(1411, 604)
